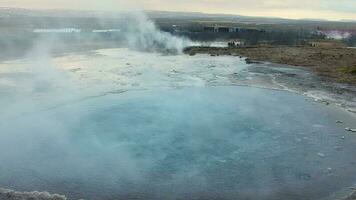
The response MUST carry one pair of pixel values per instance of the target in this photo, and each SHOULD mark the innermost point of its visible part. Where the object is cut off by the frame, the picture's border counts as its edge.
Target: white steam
(337, 35)
(142, 34)
(45, 139)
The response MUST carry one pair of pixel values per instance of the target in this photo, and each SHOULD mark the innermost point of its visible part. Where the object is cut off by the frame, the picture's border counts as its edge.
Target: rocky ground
(336, 64)
(298, 80)
(6, 194)
(352, 196)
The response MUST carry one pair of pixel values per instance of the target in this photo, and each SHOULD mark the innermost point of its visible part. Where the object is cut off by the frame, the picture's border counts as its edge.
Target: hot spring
(120, 124)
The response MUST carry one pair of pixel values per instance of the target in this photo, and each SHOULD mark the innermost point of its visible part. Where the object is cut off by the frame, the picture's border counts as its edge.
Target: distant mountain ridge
(165, 18)
(6, 11)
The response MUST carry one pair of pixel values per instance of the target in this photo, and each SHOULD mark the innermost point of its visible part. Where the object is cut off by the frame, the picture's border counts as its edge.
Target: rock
(339, 122)
(343, 137)
(350, 129)
(250, 61)
(6, 194)
(352, 196)
(328, 170)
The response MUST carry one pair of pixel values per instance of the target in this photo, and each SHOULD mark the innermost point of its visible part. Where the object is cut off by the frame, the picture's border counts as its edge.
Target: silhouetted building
(227, 29)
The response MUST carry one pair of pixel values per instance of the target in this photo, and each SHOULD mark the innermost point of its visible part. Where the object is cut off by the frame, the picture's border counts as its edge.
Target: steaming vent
(141, 34)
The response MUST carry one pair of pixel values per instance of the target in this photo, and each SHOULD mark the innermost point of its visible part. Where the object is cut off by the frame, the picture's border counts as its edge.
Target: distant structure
(326, 43)
(237, 43)
(221, 29)
(229, 29)
(175, 28)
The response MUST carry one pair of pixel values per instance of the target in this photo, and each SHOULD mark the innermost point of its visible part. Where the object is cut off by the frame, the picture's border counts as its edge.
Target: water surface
(193, 143)
(121, 124)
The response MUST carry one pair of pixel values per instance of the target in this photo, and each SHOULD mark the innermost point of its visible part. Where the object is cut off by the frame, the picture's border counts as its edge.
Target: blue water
(192, 143)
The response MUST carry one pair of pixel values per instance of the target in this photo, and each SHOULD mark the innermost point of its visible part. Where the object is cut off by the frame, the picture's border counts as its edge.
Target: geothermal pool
(179, 129)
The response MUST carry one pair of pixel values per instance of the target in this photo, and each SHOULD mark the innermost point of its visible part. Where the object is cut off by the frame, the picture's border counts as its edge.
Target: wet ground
(297, 80)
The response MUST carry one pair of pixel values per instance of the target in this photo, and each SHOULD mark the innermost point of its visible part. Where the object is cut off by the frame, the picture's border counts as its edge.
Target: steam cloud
(45, 79)
(142, 34)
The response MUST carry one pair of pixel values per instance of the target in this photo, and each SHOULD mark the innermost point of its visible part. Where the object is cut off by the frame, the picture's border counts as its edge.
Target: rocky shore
(352, 196)
(327, 75)
(6, 194)
(336, 64)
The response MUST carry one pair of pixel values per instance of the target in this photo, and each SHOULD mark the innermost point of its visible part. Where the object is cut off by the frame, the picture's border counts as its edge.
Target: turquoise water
(193, 143)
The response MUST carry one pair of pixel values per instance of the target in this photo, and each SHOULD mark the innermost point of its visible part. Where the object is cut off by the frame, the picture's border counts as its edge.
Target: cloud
(328, 9)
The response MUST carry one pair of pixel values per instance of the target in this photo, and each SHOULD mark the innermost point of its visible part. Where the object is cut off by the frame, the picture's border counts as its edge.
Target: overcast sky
(316, 9)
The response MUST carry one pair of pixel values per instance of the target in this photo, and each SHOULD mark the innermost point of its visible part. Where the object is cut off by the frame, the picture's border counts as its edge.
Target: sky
(295, 9)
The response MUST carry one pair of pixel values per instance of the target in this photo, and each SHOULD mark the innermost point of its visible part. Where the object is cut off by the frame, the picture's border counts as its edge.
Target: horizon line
(187, 12)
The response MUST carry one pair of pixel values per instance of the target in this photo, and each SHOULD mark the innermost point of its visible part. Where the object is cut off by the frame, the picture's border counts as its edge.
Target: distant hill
(22, 17)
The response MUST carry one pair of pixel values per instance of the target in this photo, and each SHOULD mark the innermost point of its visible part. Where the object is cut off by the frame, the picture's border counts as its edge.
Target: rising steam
(142, 34)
